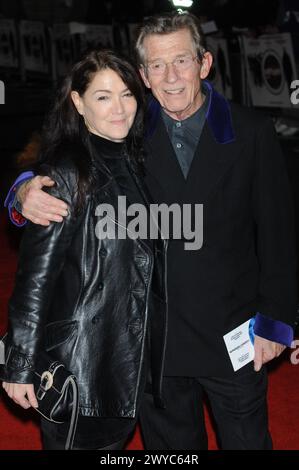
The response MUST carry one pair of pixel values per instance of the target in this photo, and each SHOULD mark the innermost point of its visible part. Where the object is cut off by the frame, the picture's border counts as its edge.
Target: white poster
(8, 44)
(62, 48)
(33, 46)
(220, 72)
(270, 69)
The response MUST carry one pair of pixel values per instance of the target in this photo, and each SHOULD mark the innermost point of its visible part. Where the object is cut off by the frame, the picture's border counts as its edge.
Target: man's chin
(177, 112)
(171, 108)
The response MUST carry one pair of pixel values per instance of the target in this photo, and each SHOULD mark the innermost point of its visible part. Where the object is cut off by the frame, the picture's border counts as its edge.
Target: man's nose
(171, 74)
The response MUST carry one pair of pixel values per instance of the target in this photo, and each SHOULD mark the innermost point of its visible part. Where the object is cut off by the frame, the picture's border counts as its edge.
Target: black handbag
(56, 391)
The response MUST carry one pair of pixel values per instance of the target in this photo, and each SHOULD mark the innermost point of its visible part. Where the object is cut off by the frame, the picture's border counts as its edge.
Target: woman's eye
(128, 94)
(102, 98)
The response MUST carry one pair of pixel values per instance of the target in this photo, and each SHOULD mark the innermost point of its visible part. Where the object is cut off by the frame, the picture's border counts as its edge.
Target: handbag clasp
(46, 380)
(46, 383)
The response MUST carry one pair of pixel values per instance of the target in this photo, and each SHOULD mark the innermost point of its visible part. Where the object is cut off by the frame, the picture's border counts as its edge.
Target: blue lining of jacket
(218, 116)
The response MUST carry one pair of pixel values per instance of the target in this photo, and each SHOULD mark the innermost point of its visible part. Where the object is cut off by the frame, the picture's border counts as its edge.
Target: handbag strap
(74, 415)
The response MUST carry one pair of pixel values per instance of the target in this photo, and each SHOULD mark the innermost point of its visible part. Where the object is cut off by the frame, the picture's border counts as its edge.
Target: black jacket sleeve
(41, 258)
(274, 217)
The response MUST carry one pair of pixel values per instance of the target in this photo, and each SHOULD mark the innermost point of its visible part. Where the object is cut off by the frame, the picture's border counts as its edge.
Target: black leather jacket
(88, 301)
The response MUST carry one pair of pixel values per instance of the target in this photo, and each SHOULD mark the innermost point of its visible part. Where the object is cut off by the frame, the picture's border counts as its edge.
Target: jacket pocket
(59, 332)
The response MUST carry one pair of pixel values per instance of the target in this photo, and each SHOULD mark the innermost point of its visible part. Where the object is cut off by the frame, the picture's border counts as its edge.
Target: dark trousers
(239, 407)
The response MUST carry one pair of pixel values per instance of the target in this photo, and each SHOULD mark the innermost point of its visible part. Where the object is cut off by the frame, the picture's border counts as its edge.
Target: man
(201, 149)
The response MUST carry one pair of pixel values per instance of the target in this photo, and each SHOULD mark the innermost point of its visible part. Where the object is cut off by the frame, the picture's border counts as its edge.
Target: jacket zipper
(166, 317)
(146, 309)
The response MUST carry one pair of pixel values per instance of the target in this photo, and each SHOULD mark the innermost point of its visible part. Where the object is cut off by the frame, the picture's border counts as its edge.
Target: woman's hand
(22, 394)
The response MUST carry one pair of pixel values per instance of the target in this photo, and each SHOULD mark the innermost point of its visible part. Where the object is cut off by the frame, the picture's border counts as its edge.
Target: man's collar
(218, 116)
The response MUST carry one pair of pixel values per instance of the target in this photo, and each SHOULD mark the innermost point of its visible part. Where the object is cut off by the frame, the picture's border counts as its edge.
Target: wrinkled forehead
(168, 45)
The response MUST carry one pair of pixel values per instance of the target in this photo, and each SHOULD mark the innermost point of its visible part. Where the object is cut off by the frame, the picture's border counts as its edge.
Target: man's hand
(265, 351)
(21, 394)
(38, 206)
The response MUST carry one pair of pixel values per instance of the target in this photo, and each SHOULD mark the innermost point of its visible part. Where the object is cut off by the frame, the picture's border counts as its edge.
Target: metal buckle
(46, 380)
(46, 383)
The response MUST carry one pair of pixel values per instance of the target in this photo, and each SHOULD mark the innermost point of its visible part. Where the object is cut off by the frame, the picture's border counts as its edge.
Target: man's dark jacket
(246, 265)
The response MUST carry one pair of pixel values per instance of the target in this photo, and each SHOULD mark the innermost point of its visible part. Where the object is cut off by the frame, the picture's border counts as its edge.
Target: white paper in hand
(239, 343)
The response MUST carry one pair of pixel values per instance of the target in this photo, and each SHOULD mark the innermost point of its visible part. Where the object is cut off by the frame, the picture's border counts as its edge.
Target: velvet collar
(218, 116)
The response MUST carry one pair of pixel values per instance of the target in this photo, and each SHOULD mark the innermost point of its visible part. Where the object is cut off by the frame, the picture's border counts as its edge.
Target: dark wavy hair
(64, 125)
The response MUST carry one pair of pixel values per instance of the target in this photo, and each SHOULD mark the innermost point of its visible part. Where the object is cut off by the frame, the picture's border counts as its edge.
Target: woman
(81, 296)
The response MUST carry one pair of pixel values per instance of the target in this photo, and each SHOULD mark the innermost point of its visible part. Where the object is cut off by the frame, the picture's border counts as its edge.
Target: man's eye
(157, 66)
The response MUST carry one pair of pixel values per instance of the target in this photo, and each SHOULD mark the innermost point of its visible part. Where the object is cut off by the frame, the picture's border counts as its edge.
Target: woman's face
(108, 106)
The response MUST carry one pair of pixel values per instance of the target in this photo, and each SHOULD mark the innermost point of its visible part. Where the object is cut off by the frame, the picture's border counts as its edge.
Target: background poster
(8, 44)
(133, 30)
(84, 35)
(270, 69)
(122, 37)
(33, 46)
(220, 73)
(100, 34)
(62, 48)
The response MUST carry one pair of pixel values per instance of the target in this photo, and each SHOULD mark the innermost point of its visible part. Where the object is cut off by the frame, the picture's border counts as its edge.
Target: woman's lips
(119, 122)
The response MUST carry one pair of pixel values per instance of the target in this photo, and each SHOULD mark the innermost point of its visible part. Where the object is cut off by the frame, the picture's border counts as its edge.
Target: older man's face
(177, 89)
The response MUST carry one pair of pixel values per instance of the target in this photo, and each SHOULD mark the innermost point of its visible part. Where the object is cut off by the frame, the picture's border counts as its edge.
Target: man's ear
(76, 99)
(144, 77)
(206, 64)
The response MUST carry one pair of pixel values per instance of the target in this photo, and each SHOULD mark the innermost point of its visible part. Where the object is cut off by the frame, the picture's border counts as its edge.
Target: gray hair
(170, 23)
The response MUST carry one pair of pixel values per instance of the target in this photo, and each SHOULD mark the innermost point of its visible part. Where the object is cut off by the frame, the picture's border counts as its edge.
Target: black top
(115, 158)
(107, 148)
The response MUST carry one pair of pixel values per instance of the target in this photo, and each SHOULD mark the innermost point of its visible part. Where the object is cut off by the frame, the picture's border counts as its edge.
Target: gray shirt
(185, 134)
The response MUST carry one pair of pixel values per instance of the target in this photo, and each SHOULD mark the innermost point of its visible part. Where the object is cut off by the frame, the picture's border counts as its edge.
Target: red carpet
(19, 429)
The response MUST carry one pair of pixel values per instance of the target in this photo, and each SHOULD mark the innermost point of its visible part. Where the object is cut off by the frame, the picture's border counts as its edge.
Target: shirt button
(178, 124)
(178, 146)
